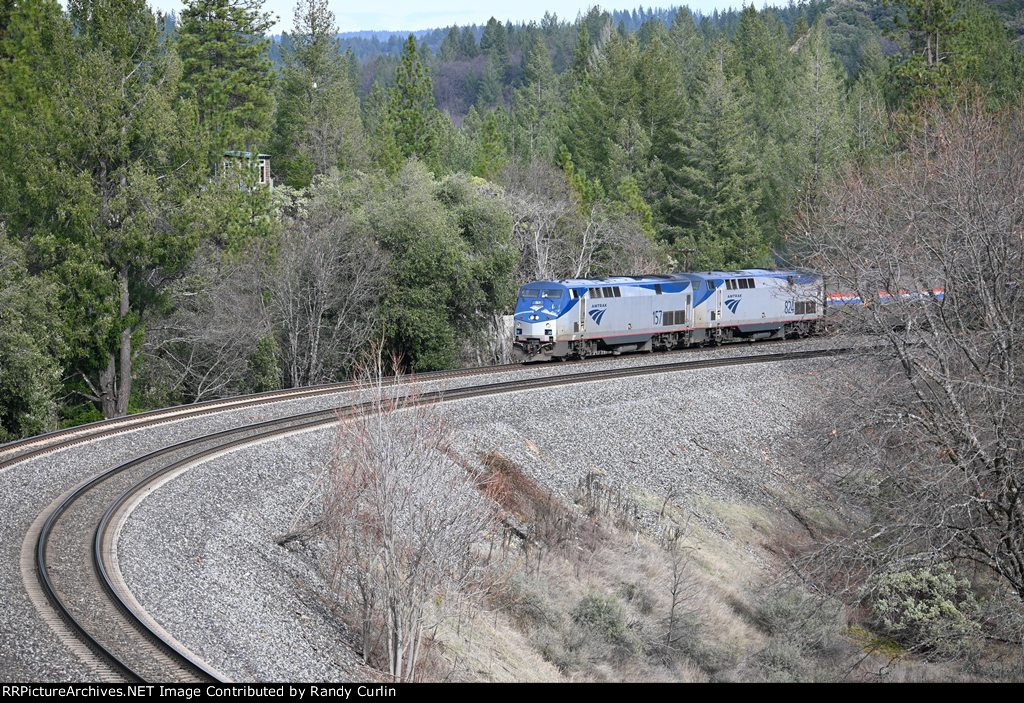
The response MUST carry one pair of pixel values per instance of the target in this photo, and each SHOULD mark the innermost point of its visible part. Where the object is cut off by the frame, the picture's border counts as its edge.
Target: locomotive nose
(535, 330)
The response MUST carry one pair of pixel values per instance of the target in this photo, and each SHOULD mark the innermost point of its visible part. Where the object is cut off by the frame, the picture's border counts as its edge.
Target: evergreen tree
(537, 104)
(869, 120)
(413, 117)
(384, 149)
(36, 51)
(662, 88)
(319, 125)
(823, 140)
(31, 347)
(494, 44)
(468, 48)
(112, 175)
(34, 42)
(713, 191)
(986, 58)
(689, 49)
(491, 85)
(952, 49)
(487, 132)
(766, 69)
(226, 70)
(450, 46)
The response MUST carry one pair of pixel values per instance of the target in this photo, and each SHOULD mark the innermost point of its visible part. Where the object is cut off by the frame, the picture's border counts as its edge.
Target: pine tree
(124, 160)
(538, 109)
(31, 347)
(869, 121)
(411, 108)
(494, 44)
(490, 86)
(36, 50)
(713, 192)
(824, 127)
(468, 48)
(662, 90)
(318, 126)
(766, 69)
(450, 46)
(952, 49)
(689, 49)
(34, 41)
(227, 72)
(489, 151)
(986, 59)
(384, 149)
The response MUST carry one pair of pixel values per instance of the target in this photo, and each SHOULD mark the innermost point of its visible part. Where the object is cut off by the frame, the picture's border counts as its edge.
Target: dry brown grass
(586, 595)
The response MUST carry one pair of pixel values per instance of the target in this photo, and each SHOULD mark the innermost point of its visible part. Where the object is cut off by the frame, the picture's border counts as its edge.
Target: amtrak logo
(597, 314)
(732, 304)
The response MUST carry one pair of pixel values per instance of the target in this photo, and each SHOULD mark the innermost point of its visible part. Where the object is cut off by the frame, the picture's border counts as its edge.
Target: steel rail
(49, 442)
(227, 440)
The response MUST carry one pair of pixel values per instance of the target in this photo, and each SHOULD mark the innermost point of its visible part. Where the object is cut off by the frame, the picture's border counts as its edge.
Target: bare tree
(543, 212)
(324, 285)
(558, 240)
(929, 431)
(403, 521)
(681, 585)
(203, 348)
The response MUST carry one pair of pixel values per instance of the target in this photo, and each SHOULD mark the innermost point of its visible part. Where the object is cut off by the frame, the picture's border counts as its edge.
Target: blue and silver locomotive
(582, 317)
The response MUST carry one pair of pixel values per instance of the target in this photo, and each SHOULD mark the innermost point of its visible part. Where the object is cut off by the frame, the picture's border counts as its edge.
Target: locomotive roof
(800, 276)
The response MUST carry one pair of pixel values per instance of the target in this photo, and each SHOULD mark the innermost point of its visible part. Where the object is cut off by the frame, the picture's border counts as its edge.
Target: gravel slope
(200, 552)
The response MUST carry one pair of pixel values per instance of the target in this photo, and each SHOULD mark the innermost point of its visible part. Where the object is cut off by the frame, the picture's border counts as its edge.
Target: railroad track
(41, 445)
(69, 557)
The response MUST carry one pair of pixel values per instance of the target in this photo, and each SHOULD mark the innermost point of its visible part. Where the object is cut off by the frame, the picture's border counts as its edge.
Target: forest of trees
(415, 190)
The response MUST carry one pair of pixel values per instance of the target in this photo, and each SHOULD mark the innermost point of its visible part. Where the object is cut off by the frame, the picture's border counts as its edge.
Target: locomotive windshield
(534, 293)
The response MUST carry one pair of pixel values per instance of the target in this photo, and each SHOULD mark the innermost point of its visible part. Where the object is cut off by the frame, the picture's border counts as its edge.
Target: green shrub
(526, 607)
(600, 620)
(929, 609)
(781, 661)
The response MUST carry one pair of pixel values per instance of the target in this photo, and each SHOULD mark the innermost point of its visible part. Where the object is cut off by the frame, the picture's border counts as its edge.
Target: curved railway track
(69, 557)
(41, 445)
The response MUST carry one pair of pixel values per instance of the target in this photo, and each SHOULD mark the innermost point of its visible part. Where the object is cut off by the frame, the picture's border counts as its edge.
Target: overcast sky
(411, 15)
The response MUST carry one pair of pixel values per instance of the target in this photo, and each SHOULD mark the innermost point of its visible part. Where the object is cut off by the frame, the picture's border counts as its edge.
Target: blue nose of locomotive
(537, 308)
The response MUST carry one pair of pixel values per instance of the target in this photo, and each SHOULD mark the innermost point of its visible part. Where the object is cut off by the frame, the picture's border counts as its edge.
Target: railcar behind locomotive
(575, 318)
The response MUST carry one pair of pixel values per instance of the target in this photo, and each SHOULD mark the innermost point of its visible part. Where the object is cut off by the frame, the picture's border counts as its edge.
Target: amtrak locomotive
(582, 317)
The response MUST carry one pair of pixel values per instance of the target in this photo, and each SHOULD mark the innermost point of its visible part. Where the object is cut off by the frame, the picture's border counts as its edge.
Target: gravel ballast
(201, 552)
